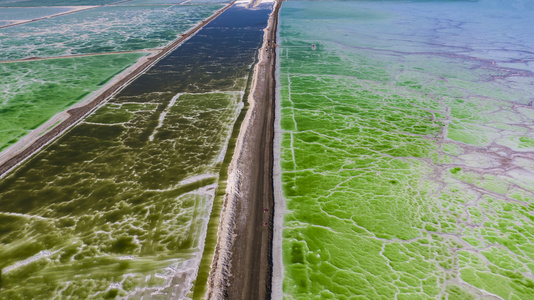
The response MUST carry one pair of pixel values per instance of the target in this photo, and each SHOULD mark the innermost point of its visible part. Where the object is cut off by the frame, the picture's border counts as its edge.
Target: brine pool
(34, 91)
(119, 205)
(407, 149)
(102, 29)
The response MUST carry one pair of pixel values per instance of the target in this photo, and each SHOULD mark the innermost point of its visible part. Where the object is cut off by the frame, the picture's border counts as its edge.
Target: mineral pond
(51, 81)
(407, 149)
(119, 206)
(404, 148)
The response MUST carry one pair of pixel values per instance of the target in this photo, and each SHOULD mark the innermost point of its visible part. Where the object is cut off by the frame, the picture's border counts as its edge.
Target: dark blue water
(212, 59)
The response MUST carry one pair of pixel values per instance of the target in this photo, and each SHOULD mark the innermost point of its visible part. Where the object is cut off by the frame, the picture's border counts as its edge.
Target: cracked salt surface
(102, 29)
(406, 150)
(15, 15)
(29, 87)
(126, 213)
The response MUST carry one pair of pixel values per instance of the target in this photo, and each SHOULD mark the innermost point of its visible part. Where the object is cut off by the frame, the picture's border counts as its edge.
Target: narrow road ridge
(242, 265)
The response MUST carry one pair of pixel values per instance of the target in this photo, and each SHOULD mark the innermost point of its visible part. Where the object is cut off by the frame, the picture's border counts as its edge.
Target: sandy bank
(242, 264)
(279, 201)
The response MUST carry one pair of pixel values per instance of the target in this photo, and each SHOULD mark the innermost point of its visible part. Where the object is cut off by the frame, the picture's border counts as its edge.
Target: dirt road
(247, 272)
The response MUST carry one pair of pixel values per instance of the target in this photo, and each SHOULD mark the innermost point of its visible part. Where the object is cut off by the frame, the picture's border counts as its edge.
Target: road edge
(241, 184)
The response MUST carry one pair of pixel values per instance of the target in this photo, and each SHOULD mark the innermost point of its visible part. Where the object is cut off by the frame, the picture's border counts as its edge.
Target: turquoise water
(102, 29)
(406, 149)
(31, 3)
(20, 13)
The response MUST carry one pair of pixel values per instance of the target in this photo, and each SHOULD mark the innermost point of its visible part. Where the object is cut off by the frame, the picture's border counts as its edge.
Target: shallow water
(148, 2)
(102, 29)
(407, 149)
(120, 204)
(21, 14)
(38, 3)
(34, 91)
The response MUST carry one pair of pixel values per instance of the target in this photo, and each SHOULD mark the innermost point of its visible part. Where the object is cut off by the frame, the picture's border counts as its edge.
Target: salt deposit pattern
(18, 14)
(119, 205)
(102, 29)
(33, 92)
(407, 149)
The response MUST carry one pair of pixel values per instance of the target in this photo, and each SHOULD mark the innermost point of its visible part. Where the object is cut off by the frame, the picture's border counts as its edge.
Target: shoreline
(243, 243)
(279, 200)
(200, 287)
(50, 130)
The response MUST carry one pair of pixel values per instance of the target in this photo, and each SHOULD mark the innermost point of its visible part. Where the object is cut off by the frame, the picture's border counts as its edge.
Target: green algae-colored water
(35, 91)
(119, 206)
(406, 150)
(102, 29)
(115, 197)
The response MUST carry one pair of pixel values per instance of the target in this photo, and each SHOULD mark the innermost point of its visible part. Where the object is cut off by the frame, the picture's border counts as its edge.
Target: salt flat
(406, 150)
